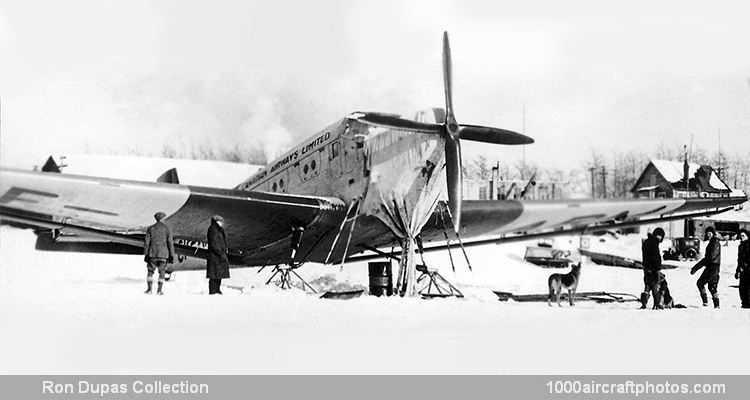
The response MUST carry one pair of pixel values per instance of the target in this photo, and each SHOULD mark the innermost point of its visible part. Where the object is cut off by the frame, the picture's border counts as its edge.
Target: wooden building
(663, 178)
(667, 179)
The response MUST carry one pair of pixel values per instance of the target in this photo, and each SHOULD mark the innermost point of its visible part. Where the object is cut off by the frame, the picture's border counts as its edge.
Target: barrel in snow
(381, 278)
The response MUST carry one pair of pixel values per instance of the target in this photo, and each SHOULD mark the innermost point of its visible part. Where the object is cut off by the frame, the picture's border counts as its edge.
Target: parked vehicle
(548, 257)
(683, 248)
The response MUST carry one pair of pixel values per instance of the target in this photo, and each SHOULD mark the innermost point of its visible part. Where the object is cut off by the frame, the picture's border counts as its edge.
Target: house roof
(672, 172)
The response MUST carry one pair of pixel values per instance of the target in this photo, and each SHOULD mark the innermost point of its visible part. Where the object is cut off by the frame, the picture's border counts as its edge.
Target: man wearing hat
(158, 248)
(217, 264)
(651, 267)
(710, 275)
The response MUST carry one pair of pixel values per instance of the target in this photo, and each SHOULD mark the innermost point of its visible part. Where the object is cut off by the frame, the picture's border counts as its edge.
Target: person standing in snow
(651, 267)
(712, 262)
(743, 267)
(158, 249)
(217, 263)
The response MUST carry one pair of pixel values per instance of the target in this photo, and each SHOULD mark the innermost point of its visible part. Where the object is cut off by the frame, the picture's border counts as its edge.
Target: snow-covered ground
(67, 313)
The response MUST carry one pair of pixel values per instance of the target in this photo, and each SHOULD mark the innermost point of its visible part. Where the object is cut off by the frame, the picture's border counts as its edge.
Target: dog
(665, 298)
(569, 281)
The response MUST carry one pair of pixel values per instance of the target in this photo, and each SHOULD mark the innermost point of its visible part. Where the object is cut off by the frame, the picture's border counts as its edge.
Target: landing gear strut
(443, 288)
(407, 282)
(286, 272)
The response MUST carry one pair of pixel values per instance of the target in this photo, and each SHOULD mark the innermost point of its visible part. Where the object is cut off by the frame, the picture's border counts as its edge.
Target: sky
(131, 76)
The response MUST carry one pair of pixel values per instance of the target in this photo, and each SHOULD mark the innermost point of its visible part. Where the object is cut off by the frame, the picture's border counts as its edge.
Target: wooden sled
(599, 297)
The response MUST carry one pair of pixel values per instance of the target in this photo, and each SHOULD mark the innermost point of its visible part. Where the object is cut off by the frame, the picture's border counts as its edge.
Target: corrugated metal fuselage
(389, 178)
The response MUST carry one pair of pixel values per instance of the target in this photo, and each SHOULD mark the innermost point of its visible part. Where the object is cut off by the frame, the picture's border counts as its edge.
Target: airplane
(367, 183)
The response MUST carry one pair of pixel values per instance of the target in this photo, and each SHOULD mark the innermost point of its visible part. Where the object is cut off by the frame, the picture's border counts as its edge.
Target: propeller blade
(447, 74)
(450, 119)
(453, 168)
(395, 122)
(454, 178)
(488, 134)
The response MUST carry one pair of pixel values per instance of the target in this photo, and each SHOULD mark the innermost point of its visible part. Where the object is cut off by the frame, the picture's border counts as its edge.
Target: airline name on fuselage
(192, 243)
(306, 148)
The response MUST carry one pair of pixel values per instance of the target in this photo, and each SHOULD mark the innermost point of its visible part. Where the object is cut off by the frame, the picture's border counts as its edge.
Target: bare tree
(480, 168)
(627, 168)
(525, 169)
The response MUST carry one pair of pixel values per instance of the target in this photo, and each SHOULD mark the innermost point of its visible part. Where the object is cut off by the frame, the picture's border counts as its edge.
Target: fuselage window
(274, 187)
(312, 164)
(281, 184)
(306, 169)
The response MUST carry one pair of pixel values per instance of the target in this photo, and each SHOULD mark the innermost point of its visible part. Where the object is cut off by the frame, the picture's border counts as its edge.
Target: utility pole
(593, 191)
(604, 182)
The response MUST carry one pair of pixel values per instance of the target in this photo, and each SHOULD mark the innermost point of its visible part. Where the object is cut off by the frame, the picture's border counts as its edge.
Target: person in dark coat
(712, 262)
(158, 249)
(743, 267)
(651, 267)
(217, 264)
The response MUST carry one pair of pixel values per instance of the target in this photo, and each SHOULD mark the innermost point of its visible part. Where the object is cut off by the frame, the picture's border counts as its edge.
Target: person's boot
(644, 300)
(158, 289)
(148, 289)
(704, 298)
(716, 302)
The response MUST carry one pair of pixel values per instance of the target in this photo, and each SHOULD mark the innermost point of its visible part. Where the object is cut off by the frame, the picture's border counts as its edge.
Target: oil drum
(381, 278)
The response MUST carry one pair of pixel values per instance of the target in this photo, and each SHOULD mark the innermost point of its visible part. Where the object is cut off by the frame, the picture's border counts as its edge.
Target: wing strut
(344, 221)
(458, 236)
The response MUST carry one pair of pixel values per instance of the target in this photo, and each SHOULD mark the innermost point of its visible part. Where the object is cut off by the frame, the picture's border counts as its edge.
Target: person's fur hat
(710, 229)
(217, 218)
(658, 232)
(159, 216)
(745, 231)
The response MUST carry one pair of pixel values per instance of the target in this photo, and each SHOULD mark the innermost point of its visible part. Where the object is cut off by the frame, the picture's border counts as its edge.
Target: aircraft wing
(498, 221)
(119, 211)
